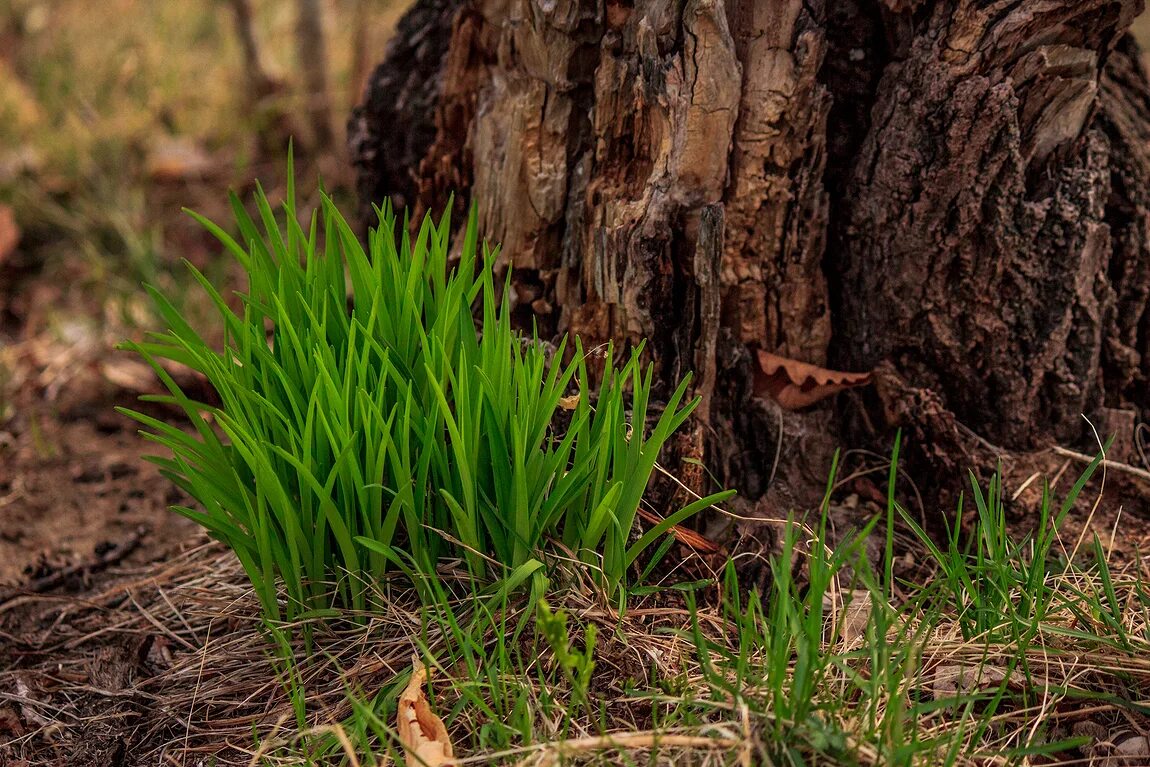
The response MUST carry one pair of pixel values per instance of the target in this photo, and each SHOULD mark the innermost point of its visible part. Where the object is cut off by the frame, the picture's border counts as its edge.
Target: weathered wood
(776, 200)
(952, 191)
(389, 133)
(1124, 118)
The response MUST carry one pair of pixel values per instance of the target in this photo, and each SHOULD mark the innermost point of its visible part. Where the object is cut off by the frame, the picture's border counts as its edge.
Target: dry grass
(172, 658)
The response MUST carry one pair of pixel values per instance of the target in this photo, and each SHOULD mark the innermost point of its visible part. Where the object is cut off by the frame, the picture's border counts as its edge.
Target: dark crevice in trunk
(390, 132)
(567, 232)
(857, 53)
(1124, 119)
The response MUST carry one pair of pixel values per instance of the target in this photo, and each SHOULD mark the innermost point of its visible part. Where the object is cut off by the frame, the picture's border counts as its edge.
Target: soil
(78, 492)
(74, 487)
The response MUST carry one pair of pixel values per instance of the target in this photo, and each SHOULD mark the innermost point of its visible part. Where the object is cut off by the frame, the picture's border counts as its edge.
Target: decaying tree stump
(956, 193)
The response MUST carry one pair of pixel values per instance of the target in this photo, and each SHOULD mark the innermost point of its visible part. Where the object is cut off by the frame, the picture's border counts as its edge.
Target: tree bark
(953, 193)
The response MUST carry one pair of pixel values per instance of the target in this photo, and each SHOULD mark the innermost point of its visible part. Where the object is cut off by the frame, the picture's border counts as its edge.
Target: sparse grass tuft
(825, 668)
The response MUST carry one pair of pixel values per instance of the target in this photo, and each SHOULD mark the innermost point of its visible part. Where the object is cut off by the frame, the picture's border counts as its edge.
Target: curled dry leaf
(1097, 738)
(178, 159)
(855, 617)
(796, 385)
(961, 679)
(422, 733)
(9, 232)
(138, 377)
(683, 535)
(130, 375)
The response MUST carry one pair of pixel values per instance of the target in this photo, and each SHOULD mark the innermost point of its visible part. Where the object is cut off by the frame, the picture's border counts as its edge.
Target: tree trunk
(259, 84)
(311, 51)
(953, 193)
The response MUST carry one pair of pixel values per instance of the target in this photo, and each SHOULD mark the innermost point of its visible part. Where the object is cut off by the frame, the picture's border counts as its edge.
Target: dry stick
(196, 689)
(1022, 488)
(147, 615)
(621, 741)
(108, 558)
(345, 744)
(1125, 468)
(748, 741)
(1058, 474)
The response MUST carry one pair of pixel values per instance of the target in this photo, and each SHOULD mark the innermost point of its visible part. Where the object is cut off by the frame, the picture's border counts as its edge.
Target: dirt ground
(75, 494)
(78, 492)
(106, 596)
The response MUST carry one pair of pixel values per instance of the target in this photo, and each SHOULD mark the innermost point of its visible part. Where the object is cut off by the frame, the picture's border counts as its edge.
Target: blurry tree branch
(360, 64)
(260, 83)
(312, 54)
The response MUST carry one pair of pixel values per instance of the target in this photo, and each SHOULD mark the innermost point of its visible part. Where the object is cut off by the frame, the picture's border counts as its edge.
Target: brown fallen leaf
(569, 403)
(178, 159)
(422, 733)
(9, 232)
(961, 679)
(683, 535)
(10, 724)
(796, 385)
(855, 617)
(137, 377)
(1131, 751)
(130, 375)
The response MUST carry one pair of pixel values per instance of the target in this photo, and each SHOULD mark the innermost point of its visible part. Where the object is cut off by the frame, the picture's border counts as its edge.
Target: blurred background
(114, 116)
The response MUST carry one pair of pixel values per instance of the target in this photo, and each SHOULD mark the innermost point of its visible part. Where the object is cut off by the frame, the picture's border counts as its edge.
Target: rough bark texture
(1125, 120)
(953, 192)
(976, 251)
(389, 134)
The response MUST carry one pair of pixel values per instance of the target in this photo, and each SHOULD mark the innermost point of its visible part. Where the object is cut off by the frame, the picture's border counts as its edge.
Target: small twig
(1124, 468)
(1022, 488)
(105, 560)
(993, 448)
(620, 741)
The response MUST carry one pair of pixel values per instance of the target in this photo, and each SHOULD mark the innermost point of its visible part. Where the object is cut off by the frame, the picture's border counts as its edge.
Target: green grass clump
(402, 430)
